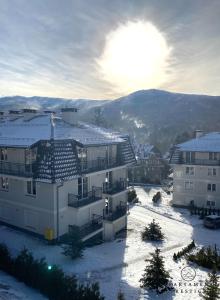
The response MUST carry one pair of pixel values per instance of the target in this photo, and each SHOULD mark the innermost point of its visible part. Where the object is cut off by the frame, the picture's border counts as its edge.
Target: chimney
(69, 115)
(29, 113)
(199, 133)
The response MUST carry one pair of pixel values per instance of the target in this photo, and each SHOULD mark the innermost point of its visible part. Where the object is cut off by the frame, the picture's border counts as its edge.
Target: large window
(190, 157)
(211, 187)
(31, 187)
(83, 187)
(190, 171)
(188, 185)
(4, 183)
(212, 171)
(213, 156)
(82, 155)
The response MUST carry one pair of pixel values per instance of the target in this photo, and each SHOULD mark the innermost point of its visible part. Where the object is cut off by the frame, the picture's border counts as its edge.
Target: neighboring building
(56, 172)
(196, 174)
(150, 167)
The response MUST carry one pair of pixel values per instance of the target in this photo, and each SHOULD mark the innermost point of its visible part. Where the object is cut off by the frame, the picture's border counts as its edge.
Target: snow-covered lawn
(118, 265)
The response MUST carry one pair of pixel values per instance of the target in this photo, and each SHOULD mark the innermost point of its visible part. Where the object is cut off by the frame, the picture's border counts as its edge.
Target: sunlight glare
(135, 56)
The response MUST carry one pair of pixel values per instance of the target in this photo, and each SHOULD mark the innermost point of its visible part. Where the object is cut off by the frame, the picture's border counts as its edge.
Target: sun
(135, 56)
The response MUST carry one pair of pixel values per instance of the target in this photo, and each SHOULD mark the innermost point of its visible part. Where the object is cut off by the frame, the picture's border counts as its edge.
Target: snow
(119, 265)
(207, 143)
(22, 133)
(11, 289)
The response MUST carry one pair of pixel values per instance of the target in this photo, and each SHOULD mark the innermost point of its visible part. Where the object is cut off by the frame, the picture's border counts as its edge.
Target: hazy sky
(103, 49)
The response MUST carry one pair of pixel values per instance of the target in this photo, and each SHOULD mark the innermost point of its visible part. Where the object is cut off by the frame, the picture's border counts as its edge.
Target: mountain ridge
(154, 116)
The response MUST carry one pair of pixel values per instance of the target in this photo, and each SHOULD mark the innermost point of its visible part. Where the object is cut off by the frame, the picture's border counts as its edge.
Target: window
(212, 172)
(190, 170)
(188, 185)
(3, 154)
(211, 187)
(82, 155)
(213, 156)
(83, 187)
(31, 187)
(190, 157)
(4, 183)
(210, 203)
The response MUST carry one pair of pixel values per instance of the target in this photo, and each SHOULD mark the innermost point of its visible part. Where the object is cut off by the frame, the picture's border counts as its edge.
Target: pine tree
(152, 232)
(155, 276)
(211, 290)
(74, 247)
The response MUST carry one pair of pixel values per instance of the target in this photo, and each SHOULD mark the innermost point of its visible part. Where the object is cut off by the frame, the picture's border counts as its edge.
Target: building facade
(56, 172)
(196, 176)
(150, 167)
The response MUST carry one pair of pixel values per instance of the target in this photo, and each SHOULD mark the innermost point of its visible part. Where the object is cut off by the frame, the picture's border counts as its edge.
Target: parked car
(212, 221)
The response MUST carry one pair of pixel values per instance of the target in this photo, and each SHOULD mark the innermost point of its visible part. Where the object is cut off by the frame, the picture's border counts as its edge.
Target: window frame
(31, 188)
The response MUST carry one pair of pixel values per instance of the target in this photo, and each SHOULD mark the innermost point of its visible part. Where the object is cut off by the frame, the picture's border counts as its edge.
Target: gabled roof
(24, 133)
(207, 143)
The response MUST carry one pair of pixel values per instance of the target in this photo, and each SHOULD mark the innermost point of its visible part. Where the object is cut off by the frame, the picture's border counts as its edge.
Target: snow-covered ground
(11, 289)
(118, 265)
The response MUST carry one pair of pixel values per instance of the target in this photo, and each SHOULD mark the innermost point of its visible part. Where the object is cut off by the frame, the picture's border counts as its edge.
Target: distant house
(150, 167)
(56, 172)
(196, 165)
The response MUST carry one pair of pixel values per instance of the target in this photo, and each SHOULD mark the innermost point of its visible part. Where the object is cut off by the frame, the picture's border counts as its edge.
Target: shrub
(51, 282)
(156, 197)
(206, 257)
(184, 251)
(152, 232)
(132, 195)
(74, 244)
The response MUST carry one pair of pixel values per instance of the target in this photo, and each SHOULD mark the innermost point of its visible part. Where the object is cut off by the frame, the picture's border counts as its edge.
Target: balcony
(120, 211)
(114, 188)
(99, 164)
(202, 162)
(77, 201)
(16, 169)
(90, 227)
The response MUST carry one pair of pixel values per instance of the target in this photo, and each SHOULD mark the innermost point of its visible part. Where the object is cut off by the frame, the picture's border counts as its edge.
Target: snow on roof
(21, 133)
(207, 143)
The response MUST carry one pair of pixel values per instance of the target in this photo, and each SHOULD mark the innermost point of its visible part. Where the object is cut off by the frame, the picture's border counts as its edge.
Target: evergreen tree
(74, 247)
(120, 296)
(152, 232)
(155, 276)
(211, 290)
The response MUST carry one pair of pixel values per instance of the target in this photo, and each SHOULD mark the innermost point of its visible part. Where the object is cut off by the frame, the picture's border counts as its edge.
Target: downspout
(58, 216)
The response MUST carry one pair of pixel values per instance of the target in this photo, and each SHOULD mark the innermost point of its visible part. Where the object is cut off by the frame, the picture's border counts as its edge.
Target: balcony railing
(16, 169)
(115, 187)
(205, 162)
(79, 201)
(120, 211)
(98, 165)
(95, 224)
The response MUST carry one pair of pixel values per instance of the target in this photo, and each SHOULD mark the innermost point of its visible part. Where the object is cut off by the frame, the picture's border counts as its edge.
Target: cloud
(50, 47)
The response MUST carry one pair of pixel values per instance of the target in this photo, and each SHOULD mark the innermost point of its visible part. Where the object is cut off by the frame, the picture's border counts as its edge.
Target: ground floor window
(4, 183)
(31, 187)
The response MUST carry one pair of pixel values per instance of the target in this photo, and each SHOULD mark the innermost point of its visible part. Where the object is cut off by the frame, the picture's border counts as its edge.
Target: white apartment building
(196, 174)
(56, 172)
